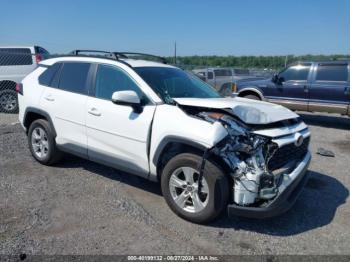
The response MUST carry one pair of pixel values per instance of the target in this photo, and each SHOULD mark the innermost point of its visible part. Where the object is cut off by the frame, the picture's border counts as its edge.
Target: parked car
(15, 63)
(159, 122)
(223, 79)
(306, 86)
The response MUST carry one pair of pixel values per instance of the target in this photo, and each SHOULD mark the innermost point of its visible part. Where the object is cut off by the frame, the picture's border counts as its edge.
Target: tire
(8, 101)
(214, 182)
(42, 143)
(253, 97)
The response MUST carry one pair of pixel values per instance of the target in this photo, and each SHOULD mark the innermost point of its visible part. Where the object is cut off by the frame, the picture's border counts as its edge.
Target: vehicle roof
(323, 61)
(18, 46)
(131, 62)
(212, 68)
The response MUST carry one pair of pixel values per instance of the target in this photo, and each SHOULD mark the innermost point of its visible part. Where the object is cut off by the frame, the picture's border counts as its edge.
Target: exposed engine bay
(247, 155)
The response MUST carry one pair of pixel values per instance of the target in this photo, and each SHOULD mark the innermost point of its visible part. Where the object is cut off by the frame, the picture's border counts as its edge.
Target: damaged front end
(263, 185)
(247, 156)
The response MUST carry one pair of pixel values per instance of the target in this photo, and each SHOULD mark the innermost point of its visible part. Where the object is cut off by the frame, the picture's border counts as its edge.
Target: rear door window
(332, 72)
(15, 56)
(73, 77)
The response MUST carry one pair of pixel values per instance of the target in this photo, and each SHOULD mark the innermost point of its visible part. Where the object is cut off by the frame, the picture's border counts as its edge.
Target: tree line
(259, 62)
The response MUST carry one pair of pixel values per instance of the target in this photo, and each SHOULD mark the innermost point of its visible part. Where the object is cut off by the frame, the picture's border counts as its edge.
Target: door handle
(306, 90)
(94, 111)
(49, 98)
(347, 90)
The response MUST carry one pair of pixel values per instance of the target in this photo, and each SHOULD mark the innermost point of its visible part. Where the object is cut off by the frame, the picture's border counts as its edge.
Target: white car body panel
(32, 90)
(115, 132)
(171, 121)
(67, 111)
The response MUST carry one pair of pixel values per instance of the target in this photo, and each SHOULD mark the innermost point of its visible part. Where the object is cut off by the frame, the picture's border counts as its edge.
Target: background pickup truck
(306, 86)
(223, 79)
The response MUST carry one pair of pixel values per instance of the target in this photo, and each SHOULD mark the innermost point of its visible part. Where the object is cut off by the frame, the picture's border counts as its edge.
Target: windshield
(171, 83)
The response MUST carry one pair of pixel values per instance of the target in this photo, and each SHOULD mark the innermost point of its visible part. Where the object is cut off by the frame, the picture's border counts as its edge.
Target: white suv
(159, 122)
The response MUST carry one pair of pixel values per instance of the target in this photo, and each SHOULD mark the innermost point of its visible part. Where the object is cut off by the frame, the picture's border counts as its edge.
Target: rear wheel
(180, 187)
(8, 101)
(42, 143)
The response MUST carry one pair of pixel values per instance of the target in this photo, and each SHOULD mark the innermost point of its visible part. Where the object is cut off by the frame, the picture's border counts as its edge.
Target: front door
(118, 136)
(291, 89)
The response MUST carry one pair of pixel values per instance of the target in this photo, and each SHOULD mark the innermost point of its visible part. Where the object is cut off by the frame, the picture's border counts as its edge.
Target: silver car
(15, 63)
(223, 79)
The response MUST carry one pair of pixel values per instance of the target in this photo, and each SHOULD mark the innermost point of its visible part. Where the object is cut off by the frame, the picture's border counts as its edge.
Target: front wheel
(180, 187)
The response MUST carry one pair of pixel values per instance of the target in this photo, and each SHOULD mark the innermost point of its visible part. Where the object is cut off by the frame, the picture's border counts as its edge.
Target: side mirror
(127, 98)
(274, 78)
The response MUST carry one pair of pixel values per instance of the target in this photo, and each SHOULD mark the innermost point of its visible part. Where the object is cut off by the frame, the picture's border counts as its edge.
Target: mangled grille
(288, 153)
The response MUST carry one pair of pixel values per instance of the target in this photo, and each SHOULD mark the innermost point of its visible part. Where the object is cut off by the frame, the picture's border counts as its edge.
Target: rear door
(65, 101)
(118, 136)
(330, 89)
(292, 87)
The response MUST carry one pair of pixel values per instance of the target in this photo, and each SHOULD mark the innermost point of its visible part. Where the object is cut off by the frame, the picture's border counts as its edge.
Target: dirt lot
(79, 207)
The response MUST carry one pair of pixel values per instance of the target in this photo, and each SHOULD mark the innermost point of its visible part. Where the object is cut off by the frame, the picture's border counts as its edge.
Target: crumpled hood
(249, 111)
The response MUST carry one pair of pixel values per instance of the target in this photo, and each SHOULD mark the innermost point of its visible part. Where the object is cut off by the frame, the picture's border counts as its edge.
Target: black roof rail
(79, 52)
(114, 55)
(127, 55)
(108, 55)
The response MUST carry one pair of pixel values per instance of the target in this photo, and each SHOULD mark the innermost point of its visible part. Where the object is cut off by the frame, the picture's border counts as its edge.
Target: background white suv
(15, 63)
(159, 122)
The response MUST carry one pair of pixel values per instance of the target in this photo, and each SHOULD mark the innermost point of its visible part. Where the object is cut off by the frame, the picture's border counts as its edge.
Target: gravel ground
(8, 119)
(79, 207)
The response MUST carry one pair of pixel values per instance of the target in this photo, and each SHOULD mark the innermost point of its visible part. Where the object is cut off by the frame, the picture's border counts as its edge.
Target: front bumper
(288, 193)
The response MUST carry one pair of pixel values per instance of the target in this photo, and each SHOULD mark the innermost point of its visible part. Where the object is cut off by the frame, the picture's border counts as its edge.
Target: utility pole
(175, 54)
(285, 61)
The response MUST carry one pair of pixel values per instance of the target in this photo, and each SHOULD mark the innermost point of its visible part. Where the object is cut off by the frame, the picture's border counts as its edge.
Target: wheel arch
(31, 114)
(251, 91)
(172, 146)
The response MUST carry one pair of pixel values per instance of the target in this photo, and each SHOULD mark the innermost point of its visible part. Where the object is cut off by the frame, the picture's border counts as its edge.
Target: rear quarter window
(15, 56)
(46, 77)
(332, 72)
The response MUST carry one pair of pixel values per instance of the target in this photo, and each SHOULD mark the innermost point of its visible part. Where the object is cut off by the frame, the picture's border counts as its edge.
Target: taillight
(19, 88)
(38, 58)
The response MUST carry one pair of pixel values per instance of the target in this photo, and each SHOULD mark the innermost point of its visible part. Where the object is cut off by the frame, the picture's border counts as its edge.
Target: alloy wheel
(184, 190)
